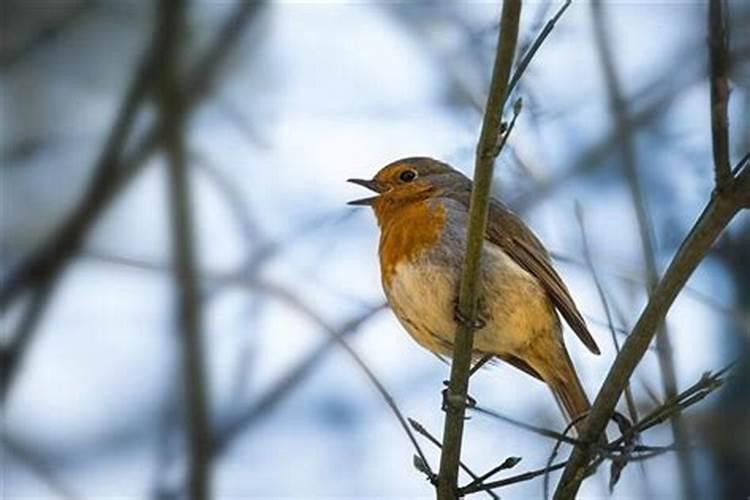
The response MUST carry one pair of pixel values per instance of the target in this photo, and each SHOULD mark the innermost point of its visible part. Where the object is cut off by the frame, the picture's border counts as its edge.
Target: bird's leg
(477, 324)
(482, 361)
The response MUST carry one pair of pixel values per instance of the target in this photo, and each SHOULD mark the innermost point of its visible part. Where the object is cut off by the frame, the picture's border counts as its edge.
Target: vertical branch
(172, 107)
(719, 68)
(619, 109)
(486, 152)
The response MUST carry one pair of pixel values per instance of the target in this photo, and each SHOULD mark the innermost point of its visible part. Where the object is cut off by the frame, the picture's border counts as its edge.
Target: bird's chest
(423, 290)
(422, 296)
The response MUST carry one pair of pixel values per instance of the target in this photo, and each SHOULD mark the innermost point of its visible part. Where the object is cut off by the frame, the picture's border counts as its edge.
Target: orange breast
(407, 230)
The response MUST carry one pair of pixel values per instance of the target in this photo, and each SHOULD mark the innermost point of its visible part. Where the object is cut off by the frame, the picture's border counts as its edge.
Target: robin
(422, 209)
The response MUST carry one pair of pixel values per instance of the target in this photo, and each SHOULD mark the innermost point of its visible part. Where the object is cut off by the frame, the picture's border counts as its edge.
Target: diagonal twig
(716, 216)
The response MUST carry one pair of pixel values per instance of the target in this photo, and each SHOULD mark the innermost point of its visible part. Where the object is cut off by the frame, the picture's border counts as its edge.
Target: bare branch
(619, 449)
(45, 35)
(619, 108)
(487, 151)
(263, 404)
(629, 400)
(112, 174)
(718, 44)
(38, 467)
(717, 215)
(531, 52)
(420, 429)
(605, 305)
(171, 15)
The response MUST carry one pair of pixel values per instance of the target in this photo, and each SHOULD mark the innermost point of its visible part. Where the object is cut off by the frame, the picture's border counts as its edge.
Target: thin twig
(487, 151)
(520, 478)
(420, 429)
(629, 400)
(541, 431)
(531, 52)
(263, 404)
(555, 451)
(632, 410)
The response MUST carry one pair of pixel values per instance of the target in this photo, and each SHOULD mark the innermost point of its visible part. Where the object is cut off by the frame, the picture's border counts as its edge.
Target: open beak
(372, 185)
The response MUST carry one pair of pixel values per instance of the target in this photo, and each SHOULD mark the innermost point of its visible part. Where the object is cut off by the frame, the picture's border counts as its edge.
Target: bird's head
(407, 181)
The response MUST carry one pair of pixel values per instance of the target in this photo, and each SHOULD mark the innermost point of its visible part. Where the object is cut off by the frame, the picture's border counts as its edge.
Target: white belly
(515, 308)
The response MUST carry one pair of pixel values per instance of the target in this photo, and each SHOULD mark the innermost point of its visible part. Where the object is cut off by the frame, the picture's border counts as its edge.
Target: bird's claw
(477, 324)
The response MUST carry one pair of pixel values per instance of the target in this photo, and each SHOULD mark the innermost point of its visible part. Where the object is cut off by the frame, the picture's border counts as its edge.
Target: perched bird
(422, 209)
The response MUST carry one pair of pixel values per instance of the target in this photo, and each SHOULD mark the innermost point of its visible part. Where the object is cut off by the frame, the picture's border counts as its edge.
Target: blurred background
(273, 106)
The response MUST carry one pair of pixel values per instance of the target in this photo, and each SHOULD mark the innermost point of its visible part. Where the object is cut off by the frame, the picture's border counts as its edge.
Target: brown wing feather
(507, 230)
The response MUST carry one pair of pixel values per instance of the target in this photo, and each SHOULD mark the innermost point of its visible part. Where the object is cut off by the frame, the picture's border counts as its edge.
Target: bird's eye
(408, 175)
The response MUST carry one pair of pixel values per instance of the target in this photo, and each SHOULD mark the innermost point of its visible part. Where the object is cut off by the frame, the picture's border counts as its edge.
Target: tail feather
(570, 395)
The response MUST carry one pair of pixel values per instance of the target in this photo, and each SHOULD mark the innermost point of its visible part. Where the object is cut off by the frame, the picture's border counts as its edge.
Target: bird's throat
(407, 230)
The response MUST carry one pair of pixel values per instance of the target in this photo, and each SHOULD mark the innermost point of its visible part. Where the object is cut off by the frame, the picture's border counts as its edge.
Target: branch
(11, 57)
(263, 404)
(620, 449)
(171, 16)
(619, 108)
(111, 175)
(717, 215)
(40, 270)
(718, 43)
(529, 54)
(420, 429)
(37, 466)
(487, 150)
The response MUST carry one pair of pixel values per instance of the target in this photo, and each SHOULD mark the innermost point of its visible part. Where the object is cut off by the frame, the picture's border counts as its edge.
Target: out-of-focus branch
(619, 108)
(487, 151)
(40, 272)
(263, 404)
(292, 300)
(718, 41)
(12, 56)
(277, 292)
(171, 22)
(632, 411)
(717, 215)
(650, 104)
(38, 467)
(629, 400)
(112, 174)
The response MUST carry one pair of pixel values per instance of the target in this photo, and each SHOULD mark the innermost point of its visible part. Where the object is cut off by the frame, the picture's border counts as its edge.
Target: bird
(422, 210)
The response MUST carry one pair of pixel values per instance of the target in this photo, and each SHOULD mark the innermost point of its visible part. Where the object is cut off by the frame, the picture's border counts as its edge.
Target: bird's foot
(477, 324)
